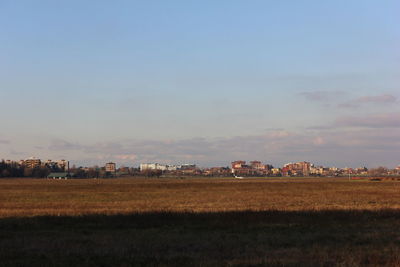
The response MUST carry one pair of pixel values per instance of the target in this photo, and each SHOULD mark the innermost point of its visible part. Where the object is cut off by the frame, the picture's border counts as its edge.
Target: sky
(204, 82)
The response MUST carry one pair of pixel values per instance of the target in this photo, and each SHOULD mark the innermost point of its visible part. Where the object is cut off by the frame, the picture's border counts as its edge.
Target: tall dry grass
(32, 197)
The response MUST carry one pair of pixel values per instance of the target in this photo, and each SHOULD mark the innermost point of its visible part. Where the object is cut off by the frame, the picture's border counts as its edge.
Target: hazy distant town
(61, 169)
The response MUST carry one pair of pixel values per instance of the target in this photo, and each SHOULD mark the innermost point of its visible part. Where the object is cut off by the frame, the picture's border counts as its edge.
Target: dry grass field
(33, 197)
(201, 222)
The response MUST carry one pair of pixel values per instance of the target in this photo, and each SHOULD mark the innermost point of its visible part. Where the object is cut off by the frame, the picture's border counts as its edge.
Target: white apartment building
(157, 166)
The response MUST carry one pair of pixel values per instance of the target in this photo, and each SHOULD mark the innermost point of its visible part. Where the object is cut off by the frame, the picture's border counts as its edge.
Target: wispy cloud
(16, 153)
(59, 144)
(4, 142)
(320, 127)
(386, 98)
(385, 120)
(341, 145)
(320, 96)
(340, 97)
(383, 99)
(211, 151)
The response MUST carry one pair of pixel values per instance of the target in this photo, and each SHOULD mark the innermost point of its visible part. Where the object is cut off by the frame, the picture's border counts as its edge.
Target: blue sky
(201, 81)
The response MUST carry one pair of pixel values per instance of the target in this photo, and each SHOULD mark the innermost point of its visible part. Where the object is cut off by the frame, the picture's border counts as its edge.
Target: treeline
(16, 170)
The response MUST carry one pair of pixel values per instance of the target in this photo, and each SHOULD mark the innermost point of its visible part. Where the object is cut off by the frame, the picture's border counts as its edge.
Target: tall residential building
(298, 168)
(32, 163)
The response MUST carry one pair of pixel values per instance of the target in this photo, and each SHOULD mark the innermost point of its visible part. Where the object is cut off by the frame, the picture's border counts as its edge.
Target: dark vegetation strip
(244, 238)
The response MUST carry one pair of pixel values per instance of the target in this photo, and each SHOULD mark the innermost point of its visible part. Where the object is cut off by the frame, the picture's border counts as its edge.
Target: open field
(124, 222)
(33, 197)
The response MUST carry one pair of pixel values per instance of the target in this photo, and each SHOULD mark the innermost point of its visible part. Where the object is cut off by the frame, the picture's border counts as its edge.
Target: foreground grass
(273, 238)
(200, 222)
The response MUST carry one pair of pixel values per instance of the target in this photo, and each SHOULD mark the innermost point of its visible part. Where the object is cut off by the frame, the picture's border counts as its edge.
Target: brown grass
(199, 222)
(32, 197)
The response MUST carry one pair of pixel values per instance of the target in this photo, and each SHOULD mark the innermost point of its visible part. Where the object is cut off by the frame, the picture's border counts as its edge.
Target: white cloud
(340, 146)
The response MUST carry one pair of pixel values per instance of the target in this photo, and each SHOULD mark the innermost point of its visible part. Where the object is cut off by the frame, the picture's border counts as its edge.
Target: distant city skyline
(205, 82)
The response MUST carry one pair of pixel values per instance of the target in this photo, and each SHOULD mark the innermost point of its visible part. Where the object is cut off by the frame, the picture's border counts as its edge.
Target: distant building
(171, 167)
(32, 163)
(238, 164)
(217, 171)
(163, 167)
(276, 171)
(257, 165)
(60, 165)
(297, 169)
(111, 167)
(186, 167)
(361, 171)
(348, 171)
(63, 164)
(256, 168)
(152, 166)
